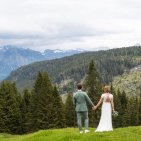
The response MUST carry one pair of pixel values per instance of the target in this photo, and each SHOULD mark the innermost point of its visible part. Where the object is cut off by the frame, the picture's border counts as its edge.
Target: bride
(105, 123)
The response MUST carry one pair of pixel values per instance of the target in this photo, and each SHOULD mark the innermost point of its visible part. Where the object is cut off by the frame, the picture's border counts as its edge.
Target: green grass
(72, 134)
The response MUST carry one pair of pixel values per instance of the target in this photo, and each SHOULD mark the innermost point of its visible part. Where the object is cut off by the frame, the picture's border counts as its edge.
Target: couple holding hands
(81, 100)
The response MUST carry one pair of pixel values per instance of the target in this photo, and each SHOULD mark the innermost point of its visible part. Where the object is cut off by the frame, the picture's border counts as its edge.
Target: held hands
(94, 108)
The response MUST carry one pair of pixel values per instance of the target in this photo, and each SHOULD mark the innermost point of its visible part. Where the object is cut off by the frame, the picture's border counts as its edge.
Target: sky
(70, 24)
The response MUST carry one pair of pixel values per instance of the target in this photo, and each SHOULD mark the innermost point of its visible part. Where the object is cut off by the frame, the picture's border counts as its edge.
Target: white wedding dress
(105, 123)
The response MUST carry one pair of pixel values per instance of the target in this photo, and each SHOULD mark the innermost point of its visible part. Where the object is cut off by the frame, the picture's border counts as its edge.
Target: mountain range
(12, 57)
(66, 72)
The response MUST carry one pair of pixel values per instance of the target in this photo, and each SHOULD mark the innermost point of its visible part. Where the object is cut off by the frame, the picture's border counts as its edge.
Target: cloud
(59, 35)
(42, 24)
(8, 36)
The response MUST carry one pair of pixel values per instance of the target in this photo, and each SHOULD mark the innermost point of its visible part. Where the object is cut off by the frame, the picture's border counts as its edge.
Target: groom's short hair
(79, 86)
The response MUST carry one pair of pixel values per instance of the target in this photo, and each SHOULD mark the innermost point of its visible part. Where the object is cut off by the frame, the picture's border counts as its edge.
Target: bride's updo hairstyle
(106, 89)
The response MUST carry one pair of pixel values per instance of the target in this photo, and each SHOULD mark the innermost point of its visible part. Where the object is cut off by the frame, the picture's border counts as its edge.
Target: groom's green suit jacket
(81, 100)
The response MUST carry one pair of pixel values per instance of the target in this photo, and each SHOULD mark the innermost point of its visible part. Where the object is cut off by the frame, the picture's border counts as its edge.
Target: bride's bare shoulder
(111, 95)
(102, 95)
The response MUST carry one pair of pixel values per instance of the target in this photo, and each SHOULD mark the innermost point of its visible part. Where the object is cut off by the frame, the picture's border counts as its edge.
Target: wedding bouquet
(115, 113)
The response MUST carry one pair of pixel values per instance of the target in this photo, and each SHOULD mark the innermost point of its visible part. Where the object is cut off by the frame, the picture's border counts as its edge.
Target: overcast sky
(70, 24)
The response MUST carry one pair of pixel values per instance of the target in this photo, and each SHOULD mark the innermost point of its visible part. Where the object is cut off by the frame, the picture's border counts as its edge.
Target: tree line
(42, 107)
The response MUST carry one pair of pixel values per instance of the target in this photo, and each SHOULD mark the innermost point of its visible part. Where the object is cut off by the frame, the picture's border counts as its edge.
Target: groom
(81, 100)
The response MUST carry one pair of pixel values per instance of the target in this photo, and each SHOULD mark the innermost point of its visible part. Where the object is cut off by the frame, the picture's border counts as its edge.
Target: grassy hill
(130, 81)
(68, 70)
(72, 134)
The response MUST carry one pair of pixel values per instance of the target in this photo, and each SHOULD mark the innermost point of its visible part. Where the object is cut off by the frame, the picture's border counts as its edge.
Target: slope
(72, 134)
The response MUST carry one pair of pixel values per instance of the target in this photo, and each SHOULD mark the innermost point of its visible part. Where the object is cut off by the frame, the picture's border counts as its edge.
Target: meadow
(72, 134)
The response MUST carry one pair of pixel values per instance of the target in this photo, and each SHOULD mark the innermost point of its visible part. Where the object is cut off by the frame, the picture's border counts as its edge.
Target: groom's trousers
(79, 119)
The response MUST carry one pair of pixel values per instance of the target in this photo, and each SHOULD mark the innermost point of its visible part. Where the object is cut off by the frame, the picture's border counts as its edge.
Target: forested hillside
(66, 71)
(129, 81)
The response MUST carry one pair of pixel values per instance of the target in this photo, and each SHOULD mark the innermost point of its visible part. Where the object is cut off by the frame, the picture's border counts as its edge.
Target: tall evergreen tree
(125, 112)
(134, 118)
(42, 103)
(123, 101)
(58, 110)
(11, 107)
(70, 113)
(3, 127)
(25, 109)
(117, 122)
(93, 87)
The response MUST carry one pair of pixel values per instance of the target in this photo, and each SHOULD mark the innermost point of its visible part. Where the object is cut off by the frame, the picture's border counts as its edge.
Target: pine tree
(123, 101)
(117, 122)
(58, 110)
(3, 127)
(127, 115)
(42, 103)
(93, 87)
(11, 107)
(134, 111)
(25, 109)
(70, 113)
(125, 112)
(34, 102)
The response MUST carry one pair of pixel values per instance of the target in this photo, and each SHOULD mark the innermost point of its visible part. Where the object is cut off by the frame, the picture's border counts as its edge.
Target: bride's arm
(98, 104)
(112, 103)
